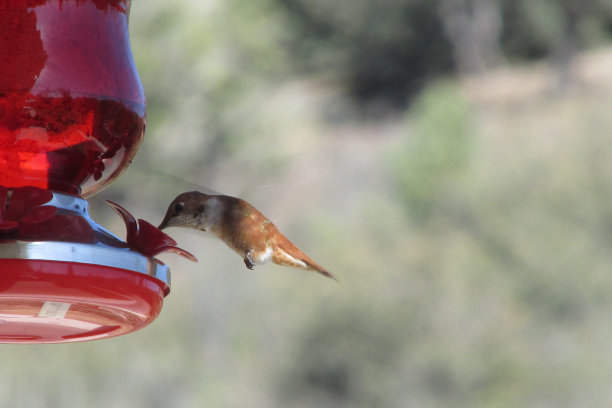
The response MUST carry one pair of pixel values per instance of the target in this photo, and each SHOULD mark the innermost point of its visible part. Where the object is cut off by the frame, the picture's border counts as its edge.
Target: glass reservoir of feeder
(72, 109)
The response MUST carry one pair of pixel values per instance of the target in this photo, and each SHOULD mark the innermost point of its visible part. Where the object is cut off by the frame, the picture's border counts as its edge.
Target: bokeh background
(449, 160)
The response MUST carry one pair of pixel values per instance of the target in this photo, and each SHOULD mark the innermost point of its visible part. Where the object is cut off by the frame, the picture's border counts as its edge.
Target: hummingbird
(240, 226)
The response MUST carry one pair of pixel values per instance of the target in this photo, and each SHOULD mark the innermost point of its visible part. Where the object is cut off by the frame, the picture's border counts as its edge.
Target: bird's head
(189, 210)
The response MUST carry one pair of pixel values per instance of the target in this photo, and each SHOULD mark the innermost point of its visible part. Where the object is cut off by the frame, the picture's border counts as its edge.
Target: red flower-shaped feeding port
(24, 207)
(146, 238)
(25, 214)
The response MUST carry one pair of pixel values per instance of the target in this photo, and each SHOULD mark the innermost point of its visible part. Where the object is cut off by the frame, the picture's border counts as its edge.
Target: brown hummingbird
(241, 226)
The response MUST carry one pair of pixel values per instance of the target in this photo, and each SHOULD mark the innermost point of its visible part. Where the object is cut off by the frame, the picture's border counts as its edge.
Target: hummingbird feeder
(72, 115)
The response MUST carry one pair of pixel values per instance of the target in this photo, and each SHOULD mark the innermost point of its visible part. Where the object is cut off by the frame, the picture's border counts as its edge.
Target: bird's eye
(178, 207)
(201, 209)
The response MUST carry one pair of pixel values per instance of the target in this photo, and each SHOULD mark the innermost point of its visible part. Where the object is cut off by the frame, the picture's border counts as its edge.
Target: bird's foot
(248, 261)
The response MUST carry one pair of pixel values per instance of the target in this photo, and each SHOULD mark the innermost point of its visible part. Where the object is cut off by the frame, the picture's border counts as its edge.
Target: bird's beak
(163, 224)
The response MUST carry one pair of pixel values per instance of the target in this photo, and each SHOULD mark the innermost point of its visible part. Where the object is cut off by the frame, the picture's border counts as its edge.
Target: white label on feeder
(55, 310)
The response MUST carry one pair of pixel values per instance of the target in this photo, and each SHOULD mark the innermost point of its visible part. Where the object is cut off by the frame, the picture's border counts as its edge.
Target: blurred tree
(474, 28)
(385, 50)
(576, 15)
(389, 49)
(534, 29)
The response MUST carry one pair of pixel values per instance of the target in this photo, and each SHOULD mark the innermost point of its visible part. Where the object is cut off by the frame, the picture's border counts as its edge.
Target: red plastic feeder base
(55, 301)
(64, 278)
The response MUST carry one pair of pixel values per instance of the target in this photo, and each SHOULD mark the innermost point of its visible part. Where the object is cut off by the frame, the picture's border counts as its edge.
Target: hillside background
(449, 160)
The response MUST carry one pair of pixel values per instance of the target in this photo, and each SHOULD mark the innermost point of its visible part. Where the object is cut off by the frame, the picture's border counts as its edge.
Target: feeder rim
(95, 254)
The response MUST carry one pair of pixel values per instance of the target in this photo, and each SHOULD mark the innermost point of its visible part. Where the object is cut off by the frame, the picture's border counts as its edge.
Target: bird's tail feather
(310, 265)
(299, 260)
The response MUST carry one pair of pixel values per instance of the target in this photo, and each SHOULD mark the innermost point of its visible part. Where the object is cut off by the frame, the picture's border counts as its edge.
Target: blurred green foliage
(208, 76)
(437, 151)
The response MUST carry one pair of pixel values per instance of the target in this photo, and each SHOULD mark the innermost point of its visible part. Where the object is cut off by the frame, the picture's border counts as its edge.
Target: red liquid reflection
(72, 109)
